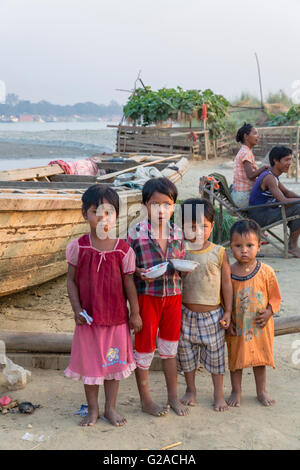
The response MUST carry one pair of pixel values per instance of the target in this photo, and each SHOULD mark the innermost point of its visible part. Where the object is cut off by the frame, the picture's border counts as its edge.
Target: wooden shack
(189, 142)
(279, 135)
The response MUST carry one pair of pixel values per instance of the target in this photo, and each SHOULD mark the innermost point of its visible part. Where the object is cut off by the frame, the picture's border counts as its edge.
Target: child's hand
(79, 319)
(139, 272)
(232, 329)
(263, 316)
(225, 320)
(135, 322)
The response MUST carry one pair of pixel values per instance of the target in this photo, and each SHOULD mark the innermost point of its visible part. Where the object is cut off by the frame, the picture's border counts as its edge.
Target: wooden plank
(30, 173)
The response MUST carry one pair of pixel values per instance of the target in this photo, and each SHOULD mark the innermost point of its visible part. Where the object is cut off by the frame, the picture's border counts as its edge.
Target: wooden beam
(62, 342)
(287, 325)
(36, 342)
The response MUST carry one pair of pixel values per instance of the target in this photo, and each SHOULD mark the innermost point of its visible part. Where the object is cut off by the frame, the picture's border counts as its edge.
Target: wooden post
(205, 140)
(297, 152)
(285, 231)
(171, 145)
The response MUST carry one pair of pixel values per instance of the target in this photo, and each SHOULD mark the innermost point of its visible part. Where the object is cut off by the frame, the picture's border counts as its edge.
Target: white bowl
(184, 265)
(156, 271)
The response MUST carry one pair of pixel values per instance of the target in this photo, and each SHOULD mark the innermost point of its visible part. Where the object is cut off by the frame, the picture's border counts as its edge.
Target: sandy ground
(46, 309)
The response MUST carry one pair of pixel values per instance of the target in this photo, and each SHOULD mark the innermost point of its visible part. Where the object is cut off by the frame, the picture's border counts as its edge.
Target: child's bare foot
(154, 409)
(91, 418)
(178, 407)
(265, 400)
(220, 404)
(189, 398)
(234, 399)
(295, 251)
(114, 418)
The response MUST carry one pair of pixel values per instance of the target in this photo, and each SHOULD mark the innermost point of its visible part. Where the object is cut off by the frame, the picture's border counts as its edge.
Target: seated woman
(245, 170)
(267, 189)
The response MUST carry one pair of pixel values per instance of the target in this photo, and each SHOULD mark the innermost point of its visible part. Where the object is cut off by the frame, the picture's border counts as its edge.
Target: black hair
(278, 152)
(95, 195)
(245, 226)
(209, 211)
(245, 129)
(159, 185)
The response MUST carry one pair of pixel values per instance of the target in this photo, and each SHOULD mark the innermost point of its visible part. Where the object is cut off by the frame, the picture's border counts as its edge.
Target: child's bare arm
(135, 321)
(74, 295)
(227, 292)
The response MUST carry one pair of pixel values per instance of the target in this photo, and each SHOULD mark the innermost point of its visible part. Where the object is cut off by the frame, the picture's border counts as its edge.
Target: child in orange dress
(256, 297)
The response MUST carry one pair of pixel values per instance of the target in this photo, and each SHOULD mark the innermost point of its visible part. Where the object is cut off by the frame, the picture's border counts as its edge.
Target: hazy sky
(68, 51)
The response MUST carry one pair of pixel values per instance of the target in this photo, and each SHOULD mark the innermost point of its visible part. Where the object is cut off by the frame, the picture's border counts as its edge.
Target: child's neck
(102, 243)
(245, 268)
(194, 246)
(160, 232)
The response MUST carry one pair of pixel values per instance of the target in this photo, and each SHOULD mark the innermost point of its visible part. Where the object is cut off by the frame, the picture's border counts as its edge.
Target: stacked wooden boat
(40, 212)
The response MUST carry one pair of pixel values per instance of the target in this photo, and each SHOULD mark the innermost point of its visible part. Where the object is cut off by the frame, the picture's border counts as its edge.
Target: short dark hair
(160, 185)
(95, 195)
(245, 226)
(245, 129)
(209, 211)
(278, 152)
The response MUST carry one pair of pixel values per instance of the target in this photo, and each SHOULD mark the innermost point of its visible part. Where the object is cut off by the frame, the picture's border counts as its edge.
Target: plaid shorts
(201, 338)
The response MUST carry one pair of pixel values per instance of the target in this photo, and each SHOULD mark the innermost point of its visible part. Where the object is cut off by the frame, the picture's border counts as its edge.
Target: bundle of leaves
(146, 107)
(292, 116)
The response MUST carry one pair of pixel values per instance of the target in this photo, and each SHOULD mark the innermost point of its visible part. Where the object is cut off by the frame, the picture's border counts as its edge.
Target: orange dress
(253, 346)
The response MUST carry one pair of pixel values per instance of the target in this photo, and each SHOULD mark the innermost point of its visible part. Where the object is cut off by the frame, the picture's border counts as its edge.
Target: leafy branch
(146, 107)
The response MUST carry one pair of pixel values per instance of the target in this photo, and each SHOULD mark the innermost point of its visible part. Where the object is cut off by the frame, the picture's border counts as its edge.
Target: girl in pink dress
(100, 281)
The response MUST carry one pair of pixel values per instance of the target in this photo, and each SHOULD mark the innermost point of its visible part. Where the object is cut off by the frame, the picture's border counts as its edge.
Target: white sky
(68, 51)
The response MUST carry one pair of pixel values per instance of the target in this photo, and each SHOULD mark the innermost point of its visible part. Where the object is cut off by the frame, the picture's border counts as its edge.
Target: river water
(28, 144)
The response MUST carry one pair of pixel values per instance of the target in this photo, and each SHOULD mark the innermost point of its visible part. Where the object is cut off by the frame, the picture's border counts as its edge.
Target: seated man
(268, 189)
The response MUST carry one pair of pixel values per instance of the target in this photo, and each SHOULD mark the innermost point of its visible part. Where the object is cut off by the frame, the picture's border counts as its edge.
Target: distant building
(26, 118)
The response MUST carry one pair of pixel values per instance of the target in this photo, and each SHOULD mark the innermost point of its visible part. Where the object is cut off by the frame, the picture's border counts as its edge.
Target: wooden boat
(40, 212)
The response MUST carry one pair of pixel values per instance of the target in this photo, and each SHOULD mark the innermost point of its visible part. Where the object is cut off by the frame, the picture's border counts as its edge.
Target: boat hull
(34, 232)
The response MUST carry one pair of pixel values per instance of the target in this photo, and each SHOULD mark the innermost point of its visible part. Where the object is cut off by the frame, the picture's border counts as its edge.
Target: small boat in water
(40, 212)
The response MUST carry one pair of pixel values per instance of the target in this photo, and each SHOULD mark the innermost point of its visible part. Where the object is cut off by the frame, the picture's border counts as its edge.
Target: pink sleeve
(72, 252)
(129, 262)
